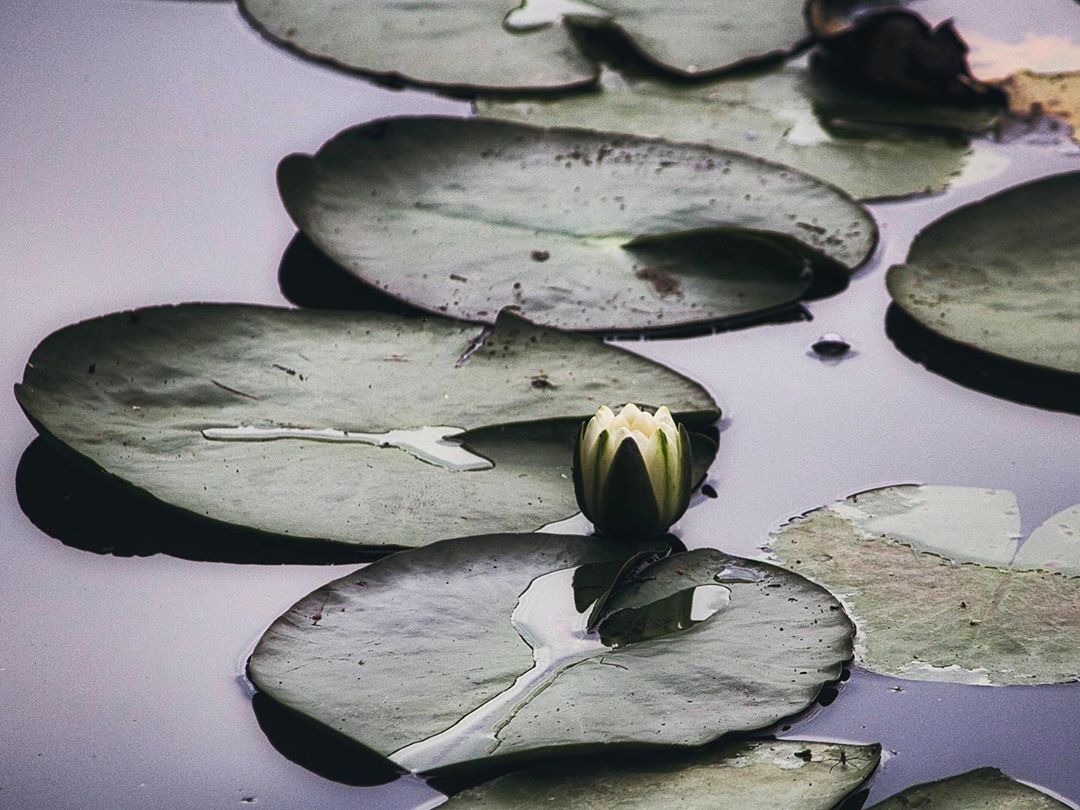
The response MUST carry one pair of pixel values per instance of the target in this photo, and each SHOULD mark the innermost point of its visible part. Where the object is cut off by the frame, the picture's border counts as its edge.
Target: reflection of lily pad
(780, 775)
(574, 228)
(787, 115)
(940, 586)
(475, 648)
(515, 45)
(1000, 275)
(985, 788)
(167, 400)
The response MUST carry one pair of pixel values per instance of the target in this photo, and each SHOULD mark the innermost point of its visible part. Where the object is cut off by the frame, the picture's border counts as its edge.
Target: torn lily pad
(322, 426)
(511, 45)
(478, 648)
(985, 788)
(1000, 276)
(868, 147)
(778, 774)
(576, 229)
(941, 585)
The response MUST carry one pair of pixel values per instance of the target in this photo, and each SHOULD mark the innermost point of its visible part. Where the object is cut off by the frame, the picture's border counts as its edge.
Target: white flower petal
(657, 462)
(644, 423)
(604, 416)
(592, 433)
(664, 417)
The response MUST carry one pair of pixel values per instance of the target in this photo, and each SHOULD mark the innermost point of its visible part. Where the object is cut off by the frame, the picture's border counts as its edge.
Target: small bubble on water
(830, 348)
(831, 345)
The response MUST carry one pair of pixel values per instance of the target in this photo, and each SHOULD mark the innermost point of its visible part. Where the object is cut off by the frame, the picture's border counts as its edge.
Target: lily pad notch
(994, 608)
(313, 425)
(575, 229)
(533, 46)
(476, 650)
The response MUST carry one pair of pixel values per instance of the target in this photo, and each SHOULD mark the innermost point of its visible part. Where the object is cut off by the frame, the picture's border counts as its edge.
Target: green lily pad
(941, 586)
(985, 788)
(525, 46)
(184, 404)
(575, 229)
(871, 148)
(1000, 275)
(473, 649)
(781, 775)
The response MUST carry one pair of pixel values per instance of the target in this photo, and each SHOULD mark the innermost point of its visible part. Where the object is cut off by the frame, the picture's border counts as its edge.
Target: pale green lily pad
(511, 45)
(941, 586)
(574, 228)
(855, 141)
(777, 774)
(139, 395)
(985, 788)
(1000, 275)
(475, 649)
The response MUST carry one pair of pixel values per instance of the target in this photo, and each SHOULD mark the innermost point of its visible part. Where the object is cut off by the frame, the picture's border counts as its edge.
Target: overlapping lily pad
(184, 404)
(869, 147)
(941, 586)
(525, 45)
(577, 229)
(780, 775)
(476, 648)
(1000, 275)
(985, 788)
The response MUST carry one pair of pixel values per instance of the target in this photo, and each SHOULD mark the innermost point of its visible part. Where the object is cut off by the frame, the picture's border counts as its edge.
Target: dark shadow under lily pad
(85, 510)
(981, 371)
(309, 278)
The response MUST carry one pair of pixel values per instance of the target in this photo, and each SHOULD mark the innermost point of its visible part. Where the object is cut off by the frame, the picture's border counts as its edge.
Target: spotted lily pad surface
(782, 775)
(321, 425)
(941, 585)
(574, 228)
(985, 788)
(789, 115)
(1000, 275)
(477, 648)
(525, 46)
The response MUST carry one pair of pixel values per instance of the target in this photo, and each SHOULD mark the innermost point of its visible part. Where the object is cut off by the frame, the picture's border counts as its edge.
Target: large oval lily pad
(941, 586)
(478, 648)
(868, 147)
(985, 788)
(777, 774)
(574, 228)
(184, 403)
(525, 46)
(1000, 275)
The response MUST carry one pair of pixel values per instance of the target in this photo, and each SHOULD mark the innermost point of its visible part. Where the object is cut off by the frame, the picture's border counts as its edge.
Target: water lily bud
(632, 471)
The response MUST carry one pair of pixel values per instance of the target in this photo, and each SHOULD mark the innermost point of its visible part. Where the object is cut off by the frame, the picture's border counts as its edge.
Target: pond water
(140, 141)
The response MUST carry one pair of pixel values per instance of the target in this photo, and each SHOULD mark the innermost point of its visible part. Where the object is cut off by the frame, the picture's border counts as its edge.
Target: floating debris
(830, 348)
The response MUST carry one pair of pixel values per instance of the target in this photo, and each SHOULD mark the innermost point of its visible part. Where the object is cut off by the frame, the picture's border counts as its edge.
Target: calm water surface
(140, 141)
